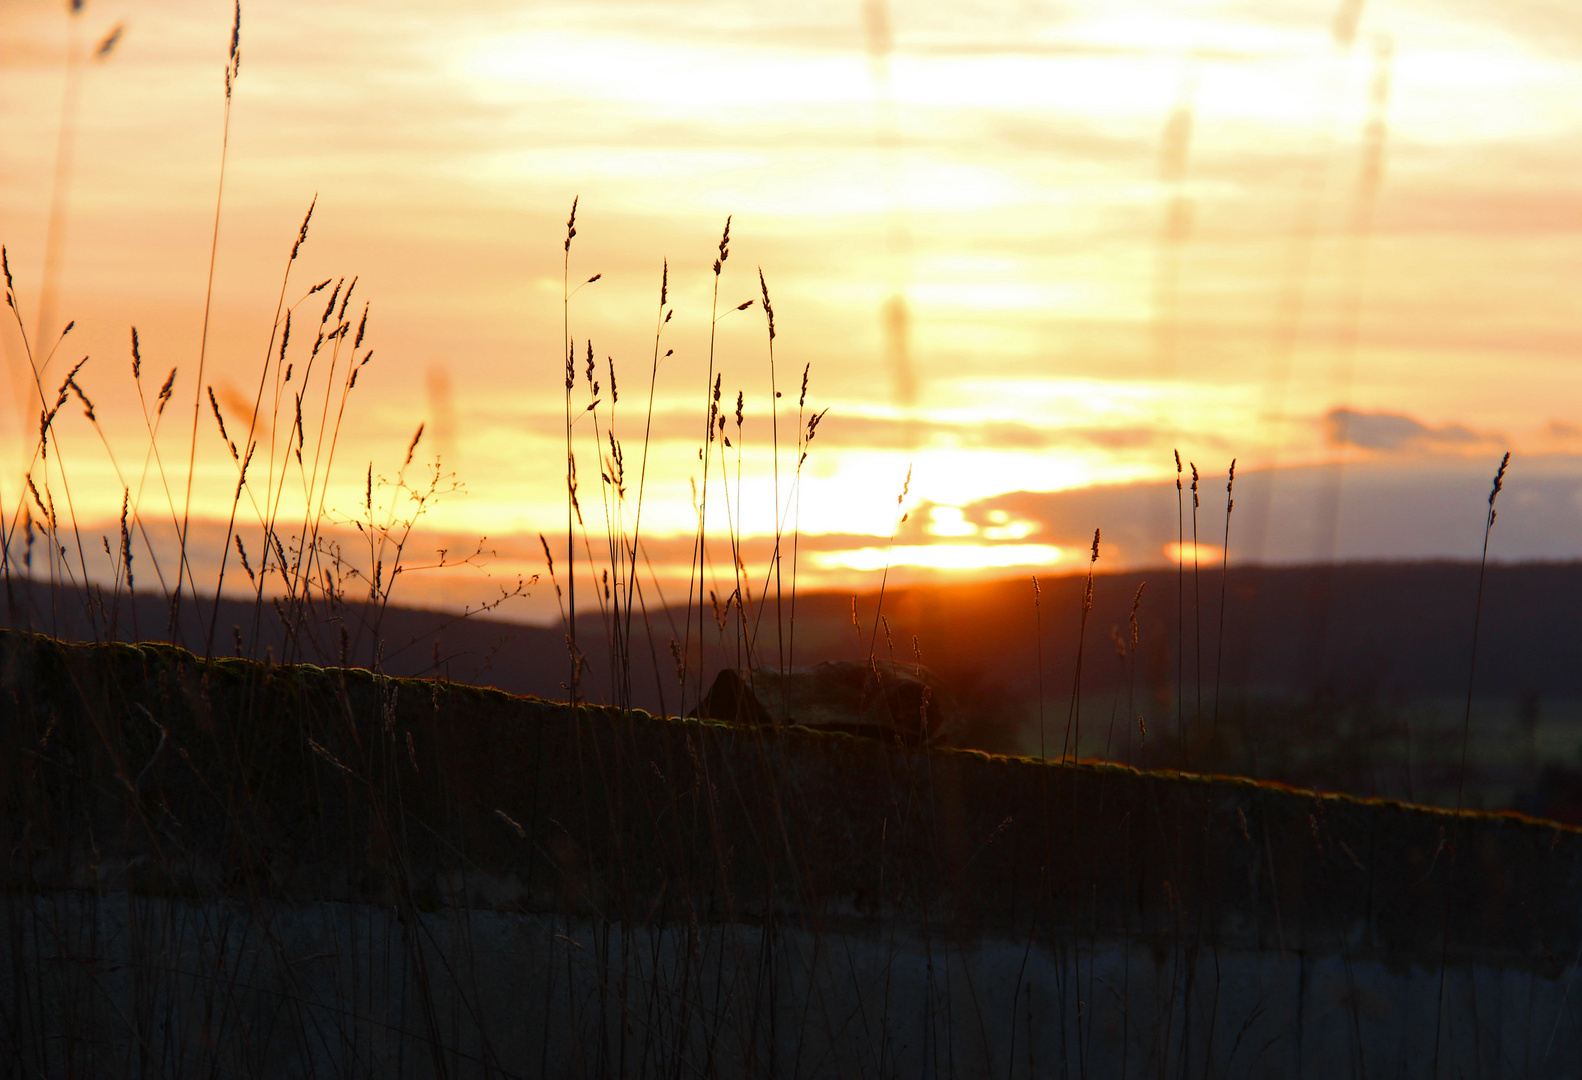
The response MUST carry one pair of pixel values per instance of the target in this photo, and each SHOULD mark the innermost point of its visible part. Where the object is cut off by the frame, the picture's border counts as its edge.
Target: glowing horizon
(1032, 253)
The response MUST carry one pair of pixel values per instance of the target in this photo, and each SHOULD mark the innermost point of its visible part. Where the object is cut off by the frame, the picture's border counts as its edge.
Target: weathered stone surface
(880, 699)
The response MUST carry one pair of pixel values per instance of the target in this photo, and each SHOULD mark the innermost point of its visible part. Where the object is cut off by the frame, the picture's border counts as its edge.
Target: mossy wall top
(143, 768)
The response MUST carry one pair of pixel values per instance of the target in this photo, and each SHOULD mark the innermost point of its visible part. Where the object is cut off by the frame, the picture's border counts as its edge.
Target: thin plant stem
(232, 68)
(1466, 738)
(884, 579)
(1074, 716)
(712, 395)
(1038, 654)
(571, 461)
(1224, 578)
(1180, 613)
(1197, 608)
(642, 475)
(774, 437)
(1131, 681)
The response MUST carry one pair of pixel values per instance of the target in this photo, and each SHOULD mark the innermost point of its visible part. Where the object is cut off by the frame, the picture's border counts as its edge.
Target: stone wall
(292, 871)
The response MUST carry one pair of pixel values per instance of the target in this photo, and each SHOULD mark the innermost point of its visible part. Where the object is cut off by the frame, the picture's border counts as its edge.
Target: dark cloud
(1388, 508)
(1393, 432)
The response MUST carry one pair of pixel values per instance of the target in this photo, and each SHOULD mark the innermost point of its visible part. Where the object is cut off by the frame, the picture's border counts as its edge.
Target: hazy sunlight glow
(944, 556)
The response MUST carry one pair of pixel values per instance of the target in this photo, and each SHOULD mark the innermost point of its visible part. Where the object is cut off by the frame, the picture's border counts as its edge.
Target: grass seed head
(302, 233)
(341, 314)
(241, 478)
(126, 536)
(725, 247)
(220, 420)
(769, 311)
(1499, 478)
(812, 427)
(330, 307)
(1136, 603)
(165, 391)
(111, 40)
(242, 551)
(38, 501)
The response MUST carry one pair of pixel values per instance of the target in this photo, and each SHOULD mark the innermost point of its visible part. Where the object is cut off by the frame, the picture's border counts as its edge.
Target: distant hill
(1390, 627)
(1374, 637)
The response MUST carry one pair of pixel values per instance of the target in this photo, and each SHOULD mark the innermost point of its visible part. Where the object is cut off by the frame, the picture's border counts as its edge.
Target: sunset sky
(1026, 248)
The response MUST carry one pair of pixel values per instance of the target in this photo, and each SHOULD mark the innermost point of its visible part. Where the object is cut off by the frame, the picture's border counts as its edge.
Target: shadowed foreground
(232, 869)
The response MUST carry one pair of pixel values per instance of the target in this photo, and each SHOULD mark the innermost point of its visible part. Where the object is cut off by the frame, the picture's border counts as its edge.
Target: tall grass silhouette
(689, 961)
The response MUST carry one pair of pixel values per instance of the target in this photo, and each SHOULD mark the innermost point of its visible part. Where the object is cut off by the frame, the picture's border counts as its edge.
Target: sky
(1024, 252)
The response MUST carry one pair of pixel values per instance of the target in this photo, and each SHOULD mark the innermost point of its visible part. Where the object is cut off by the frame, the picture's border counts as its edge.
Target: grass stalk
(712, 398)
(1180, 613)
(1131, 674)
(232, 70)
(884, 579)
(1073, 734)
(1197, 607)
(571, 462)
(1038, 660)
(1224, 579)
(660, 321)
(1466, 737)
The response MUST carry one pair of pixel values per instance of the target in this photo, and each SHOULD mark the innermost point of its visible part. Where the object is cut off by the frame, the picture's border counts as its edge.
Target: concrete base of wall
(119, 985)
